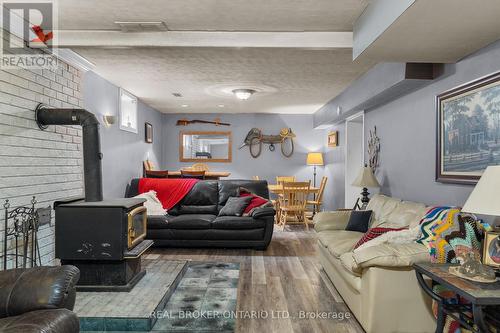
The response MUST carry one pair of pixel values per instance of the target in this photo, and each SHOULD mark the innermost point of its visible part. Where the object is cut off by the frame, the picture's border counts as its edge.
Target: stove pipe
(92, 156)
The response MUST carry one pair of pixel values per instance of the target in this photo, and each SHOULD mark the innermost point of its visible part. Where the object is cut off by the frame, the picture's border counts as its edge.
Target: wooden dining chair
(256, 178)
(156, 174)
(148, 165)
(318, 198)
(293, 202)
(148, 170)
(197, 174)
(279, 181)
(282, 179)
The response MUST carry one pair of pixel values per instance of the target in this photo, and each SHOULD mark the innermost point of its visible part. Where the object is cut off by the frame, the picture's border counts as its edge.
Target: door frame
(349, 119)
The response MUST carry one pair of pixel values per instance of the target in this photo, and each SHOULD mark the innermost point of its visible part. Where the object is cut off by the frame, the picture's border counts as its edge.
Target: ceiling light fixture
(184, 105)
(243, 94)
(221, 105)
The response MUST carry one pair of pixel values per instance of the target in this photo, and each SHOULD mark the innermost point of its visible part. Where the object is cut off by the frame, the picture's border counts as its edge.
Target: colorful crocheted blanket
(449, 234)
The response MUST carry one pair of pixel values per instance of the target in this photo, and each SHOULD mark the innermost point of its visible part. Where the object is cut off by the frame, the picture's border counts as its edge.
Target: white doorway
(354, 155)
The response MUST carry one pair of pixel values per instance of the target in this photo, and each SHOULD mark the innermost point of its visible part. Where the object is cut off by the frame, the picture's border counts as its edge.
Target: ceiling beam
(96, 38)
(381, 84)
(375, 19)
(443, 31)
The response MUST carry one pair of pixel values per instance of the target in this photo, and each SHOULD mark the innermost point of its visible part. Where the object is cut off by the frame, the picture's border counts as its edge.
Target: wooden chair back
(321, 191)
(148, 171)
(155, 174)
(295, 196)
(256, 178)
(200, 167)
(198, 174)
(285, 179)
(148, 165)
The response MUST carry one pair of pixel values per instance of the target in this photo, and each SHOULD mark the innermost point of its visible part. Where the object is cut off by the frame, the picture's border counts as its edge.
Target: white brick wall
(47, 164)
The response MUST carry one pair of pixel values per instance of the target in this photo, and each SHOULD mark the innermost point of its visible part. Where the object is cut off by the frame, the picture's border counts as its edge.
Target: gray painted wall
(407, 130)
(269, 164)
(123, 151)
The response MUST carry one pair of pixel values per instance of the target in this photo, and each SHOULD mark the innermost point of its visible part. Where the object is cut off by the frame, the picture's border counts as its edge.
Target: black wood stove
(103, 238)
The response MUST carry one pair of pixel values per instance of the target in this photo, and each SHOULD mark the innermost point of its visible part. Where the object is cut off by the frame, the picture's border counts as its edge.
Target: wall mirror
(205, 146)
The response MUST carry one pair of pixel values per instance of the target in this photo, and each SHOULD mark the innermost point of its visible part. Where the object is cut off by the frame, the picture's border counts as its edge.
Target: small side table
(484, 298)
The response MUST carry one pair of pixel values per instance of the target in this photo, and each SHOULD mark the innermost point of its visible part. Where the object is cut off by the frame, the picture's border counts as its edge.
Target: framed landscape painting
(468, 130)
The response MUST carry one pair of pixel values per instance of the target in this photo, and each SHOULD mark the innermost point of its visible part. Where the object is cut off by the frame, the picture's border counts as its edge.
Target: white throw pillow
(152, 204)
(405, 236)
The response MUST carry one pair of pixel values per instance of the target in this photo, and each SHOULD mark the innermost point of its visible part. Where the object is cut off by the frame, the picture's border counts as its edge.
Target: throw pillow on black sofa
(235, 206)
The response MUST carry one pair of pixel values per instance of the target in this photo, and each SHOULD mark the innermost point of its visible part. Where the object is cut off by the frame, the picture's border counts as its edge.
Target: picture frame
(468, 130)
(333, 139)
(148, 132)
(491, 248)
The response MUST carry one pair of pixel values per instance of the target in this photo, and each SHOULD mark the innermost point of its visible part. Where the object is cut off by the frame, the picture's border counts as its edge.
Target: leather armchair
(38, 299)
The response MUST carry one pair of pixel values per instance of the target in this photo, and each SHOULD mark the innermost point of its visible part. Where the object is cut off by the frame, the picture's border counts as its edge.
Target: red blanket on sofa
(169, 191)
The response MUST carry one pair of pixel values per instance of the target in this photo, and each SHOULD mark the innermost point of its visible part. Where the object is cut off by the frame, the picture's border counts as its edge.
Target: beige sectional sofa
(377, 283)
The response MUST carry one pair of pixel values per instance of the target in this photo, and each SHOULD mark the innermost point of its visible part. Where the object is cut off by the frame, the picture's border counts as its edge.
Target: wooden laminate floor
(280, 286)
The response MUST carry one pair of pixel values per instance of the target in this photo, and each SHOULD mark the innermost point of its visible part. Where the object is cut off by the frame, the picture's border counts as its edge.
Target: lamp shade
(484, 199)
(314, 159)
(366, 178)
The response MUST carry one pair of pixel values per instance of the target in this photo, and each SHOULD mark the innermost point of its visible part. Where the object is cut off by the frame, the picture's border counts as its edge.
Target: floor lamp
(314, 159)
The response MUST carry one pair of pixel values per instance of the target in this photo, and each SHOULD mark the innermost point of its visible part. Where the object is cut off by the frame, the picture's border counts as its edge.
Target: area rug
(204, 300)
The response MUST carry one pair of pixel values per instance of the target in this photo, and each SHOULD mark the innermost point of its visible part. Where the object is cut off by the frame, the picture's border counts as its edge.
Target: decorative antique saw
(185, 122)
(255, 139)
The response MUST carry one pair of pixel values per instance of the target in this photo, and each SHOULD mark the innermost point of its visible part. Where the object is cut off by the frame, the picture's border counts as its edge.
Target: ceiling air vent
(142, 26)
(176, 94)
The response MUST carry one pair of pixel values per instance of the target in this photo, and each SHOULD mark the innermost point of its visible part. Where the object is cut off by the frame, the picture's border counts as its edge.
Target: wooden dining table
(208, 174)
(278, 189)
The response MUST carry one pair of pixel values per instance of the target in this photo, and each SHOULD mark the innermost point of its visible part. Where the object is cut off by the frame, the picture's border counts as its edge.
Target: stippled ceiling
(292, 80)
(222, 15)
(295, 80)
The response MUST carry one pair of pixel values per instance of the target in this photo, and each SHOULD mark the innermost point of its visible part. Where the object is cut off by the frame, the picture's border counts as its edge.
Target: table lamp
(314, 159)
(484, 198)
(484, 201)
(365, 179)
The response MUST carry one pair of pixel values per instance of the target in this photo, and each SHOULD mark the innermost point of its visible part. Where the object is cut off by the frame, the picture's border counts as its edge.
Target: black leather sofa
(38, 300)
(193, 222)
